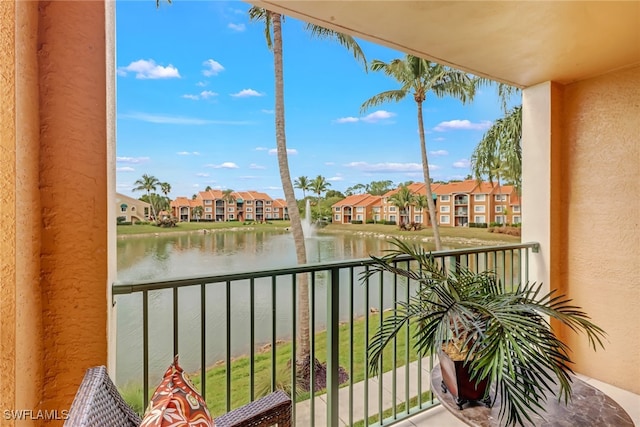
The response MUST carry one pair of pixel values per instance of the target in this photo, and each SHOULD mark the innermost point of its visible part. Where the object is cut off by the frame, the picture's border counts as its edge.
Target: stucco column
(541, 210)
(21, 346)
(74, 193)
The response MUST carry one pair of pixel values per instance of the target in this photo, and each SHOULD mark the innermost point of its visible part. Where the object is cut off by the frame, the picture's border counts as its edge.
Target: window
(231, 209)
(444, 219)
(385, 208)
(268, 209)
(249, 202)
(337, 217)
(207, 209)
(516, 208)
(500, 219)
(376, 208)
(249, 216)
(516, 219)
(359, 217)
(276, 209)
(337, 209)
(230, 216)
(478, 219)
(498, 209)
(392, 217)
(123, 207)
(376, 217)
(501, 197)
(207, 202)
(133, 208)
(478, 197)
(417, 218)
(268, 202)
(444, 198)
(207, 216)
(392, 208)
(249, 209)
(417, 209)
(146, 211)
(445, 208)
(479, 208)
(359, 209)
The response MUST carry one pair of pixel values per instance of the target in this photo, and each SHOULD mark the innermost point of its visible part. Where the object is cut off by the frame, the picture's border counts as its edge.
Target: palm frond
(390, 95)
(344, 40)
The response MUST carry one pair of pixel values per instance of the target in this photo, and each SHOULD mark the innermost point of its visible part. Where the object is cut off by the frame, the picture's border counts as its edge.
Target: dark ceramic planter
(456, 379)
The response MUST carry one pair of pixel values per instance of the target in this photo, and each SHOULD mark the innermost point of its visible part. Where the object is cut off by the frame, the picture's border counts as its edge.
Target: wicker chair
(98, 404)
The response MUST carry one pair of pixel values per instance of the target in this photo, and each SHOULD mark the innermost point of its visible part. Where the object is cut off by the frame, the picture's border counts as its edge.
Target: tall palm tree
(165, 188)
(501, 145)
(418, 77)
(273, 26)
(403, 199)
(147, 183)
(319, 185)
(302, 183)
(197, 212)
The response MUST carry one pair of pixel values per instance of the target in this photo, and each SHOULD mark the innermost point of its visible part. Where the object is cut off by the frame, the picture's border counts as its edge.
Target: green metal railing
(266, 303)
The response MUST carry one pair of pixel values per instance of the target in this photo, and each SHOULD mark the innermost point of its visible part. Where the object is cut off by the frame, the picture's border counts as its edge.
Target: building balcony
(225, 327)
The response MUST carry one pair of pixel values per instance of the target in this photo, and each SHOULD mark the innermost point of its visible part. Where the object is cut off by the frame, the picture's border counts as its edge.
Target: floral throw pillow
(176, 403)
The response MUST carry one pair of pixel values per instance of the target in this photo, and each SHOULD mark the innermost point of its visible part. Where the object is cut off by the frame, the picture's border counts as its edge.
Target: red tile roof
(358, 200)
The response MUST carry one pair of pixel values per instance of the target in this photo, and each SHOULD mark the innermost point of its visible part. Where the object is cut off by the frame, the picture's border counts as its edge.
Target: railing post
(333, 350)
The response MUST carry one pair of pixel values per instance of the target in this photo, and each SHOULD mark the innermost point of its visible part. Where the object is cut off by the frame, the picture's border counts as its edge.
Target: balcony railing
(246, 325)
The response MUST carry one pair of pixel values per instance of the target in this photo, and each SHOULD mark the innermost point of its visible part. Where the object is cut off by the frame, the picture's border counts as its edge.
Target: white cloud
(245, 93)
(225, 165)
(179, 120)
(274, 151)
(237, 27)
(205, 94)
(187, 153)
(461, 164)
(261, 148)
(248, 177)
(202, 175)
(385, 167)
(148, 69)
(374, 117)
(125, 169)
(132, 160)
(212, 68)
(195, 185)
(439, 153)
(273, 188)
(347, 120)
(267, 111)
(255, 166)
(439, 139)
(202, 84)
(335, 178)
(462, 124)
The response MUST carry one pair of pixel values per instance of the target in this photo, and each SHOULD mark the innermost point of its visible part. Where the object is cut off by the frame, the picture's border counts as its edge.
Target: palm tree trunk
(427, 180)
(153, 211)
(287, 186)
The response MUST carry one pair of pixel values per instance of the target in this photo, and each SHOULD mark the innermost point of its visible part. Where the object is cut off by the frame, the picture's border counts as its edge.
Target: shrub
(124, 223)
(121, 219)
(370, 221)
(390, 222)
(356, 221)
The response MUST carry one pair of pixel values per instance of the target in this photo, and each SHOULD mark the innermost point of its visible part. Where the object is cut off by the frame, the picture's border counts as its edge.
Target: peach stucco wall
(600, 186)
(53, 153)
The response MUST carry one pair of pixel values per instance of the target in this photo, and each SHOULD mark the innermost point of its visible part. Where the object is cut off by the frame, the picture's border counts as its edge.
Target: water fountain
(308, 229)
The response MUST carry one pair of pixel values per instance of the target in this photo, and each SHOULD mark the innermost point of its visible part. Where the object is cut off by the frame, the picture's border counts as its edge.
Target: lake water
(176, 255)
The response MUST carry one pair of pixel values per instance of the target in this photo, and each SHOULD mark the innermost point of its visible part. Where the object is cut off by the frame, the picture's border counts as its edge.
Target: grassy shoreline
(240, 368)
(449, 235)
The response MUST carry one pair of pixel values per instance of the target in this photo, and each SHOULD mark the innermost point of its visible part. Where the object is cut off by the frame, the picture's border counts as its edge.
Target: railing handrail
(122, 288)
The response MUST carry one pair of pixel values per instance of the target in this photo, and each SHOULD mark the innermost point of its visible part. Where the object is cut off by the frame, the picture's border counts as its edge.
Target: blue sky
(195, 100)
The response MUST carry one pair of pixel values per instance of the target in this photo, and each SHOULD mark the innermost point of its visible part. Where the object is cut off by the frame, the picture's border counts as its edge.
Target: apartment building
(131, 210)
(279, 210)
(357, 207)
(238, 205)
(457, 205)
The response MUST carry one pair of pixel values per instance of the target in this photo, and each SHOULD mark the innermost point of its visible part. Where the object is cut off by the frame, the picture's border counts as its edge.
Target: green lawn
(194, 226)
(240, 368)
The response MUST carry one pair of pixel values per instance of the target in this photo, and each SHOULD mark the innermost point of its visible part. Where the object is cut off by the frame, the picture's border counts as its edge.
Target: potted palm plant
(484, 332)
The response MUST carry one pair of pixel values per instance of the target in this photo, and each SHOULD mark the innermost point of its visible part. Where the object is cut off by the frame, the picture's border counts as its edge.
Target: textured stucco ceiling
(518, 42)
